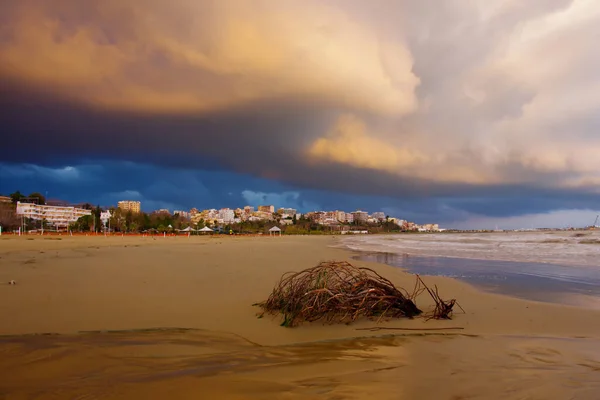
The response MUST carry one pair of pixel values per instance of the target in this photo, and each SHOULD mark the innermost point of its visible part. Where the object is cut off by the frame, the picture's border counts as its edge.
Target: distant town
(33, 213)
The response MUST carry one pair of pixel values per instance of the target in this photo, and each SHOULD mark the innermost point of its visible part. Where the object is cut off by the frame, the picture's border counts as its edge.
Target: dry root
(340, 292)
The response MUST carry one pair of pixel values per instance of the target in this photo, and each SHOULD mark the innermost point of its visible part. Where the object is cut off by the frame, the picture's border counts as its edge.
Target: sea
(550, 266)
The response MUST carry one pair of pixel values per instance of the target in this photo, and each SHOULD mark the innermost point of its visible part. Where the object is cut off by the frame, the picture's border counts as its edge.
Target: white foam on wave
(564, 248)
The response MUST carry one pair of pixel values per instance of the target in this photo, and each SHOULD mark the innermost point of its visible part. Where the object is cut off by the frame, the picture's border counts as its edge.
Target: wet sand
(509, 348)
(198, 364)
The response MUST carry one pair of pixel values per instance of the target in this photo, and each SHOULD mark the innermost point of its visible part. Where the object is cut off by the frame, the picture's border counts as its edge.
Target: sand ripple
(191, 363)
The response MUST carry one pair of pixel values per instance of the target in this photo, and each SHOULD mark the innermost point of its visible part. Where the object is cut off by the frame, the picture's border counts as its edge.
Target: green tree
(116, 219)
(83, 224)
(38, 197)
(16, 196)
(97, 221)
(128, 220)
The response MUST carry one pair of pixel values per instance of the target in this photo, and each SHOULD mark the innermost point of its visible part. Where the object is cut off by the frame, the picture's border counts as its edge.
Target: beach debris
(339, 292)
(12, 282)
(443, 309)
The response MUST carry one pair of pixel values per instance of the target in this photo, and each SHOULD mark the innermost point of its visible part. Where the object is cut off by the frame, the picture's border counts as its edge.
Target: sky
(469, 113)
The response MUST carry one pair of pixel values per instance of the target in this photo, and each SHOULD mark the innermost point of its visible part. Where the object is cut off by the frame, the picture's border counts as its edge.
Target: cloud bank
(486, 100)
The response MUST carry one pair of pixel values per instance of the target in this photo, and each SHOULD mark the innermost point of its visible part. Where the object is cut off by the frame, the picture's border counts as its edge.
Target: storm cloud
(480, 107)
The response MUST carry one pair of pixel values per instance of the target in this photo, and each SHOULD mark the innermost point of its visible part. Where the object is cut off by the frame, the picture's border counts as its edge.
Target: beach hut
(274, 230)
(206, 229)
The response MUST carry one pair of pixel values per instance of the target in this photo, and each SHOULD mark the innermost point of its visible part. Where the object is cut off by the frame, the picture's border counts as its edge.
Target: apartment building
(267, 209)
(182, 213)
(130, 205)
(360, 216)
(59, 217)
(227, 215)
(287, 211)
(380, 216)
(340, 216)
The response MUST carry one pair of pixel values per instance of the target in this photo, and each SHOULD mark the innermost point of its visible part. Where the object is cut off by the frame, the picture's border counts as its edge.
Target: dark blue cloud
(107, 182)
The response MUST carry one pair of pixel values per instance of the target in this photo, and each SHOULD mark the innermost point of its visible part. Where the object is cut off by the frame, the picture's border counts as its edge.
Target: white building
(380, 216)
(399, 222)
(227, 215)
(59, 217)
(105, 216)
(182, 213)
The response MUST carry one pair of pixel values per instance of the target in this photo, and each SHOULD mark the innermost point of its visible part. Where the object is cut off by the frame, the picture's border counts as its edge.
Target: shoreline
(499, 276)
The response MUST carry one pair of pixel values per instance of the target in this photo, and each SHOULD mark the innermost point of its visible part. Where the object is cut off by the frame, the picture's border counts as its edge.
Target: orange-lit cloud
(348, 142)
(198, 56)
(514, 101)
(485, 92)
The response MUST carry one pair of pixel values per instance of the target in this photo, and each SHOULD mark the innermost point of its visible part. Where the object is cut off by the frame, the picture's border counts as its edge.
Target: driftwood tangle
(337, 291)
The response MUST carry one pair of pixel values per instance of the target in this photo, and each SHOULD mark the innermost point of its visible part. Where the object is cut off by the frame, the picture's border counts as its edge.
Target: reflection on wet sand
(196, 364)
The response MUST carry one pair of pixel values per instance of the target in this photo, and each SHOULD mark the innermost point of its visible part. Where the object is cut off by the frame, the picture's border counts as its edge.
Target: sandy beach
(186, 326)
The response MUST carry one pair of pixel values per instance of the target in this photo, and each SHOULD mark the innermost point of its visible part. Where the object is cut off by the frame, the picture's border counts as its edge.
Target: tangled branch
(337, 291)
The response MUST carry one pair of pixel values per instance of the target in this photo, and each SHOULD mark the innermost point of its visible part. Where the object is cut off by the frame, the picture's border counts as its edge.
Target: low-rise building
(105, 217)
(287, 211)
(263, 215)
(430, 227)
(59, 217)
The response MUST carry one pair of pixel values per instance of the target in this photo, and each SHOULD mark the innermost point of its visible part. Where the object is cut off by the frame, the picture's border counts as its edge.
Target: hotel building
(59, 217)
(129, 205)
